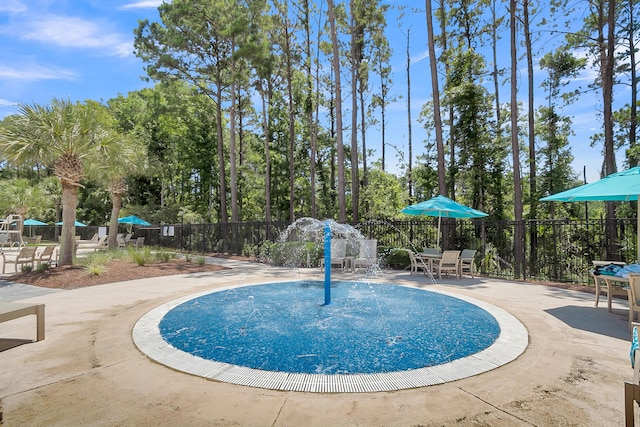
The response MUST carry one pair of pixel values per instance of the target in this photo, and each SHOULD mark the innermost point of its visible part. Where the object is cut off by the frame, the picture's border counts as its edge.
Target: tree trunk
(116, 206)
(68, 236)
(409, 142)
(437, 120)
(342, 205)
(518, 244)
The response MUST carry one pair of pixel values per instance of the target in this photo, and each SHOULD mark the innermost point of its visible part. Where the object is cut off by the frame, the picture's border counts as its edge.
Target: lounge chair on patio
(99, 243)
(121, 242)
(448, 263)
(338, 253)
(466, 261)
(368, 255)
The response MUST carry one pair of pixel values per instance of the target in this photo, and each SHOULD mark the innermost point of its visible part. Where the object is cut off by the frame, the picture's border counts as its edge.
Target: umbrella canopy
(78, 224)
(442, 206)
(33, 222)
(133, 220)
(619, 186)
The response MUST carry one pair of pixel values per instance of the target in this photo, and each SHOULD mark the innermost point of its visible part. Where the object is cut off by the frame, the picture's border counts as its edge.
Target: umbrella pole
(439, 221)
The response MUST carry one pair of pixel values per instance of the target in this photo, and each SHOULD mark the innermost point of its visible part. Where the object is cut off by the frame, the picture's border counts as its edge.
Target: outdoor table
(429, 258)
(608, 280)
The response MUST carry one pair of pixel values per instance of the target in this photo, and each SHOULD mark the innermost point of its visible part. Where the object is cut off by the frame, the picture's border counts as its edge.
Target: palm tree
(63, 135)
(119, 159)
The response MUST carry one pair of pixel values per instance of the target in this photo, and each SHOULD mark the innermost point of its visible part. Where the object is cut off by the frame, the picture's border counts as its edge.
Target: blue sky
(83, 49)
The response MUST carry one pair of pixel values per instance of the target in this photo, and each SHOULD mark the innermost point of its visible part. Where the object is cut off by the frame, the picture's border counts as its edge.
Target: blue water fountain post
(327, 263)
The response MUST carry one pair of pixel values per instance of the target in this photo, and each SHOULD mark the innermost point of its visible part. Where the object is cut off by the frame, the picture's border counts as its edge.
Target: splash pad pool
(370, 337)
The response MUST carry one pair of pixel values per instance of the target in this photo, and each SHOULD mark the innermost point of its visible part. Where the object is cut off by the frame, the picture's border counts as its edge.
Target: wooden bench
(11, 310)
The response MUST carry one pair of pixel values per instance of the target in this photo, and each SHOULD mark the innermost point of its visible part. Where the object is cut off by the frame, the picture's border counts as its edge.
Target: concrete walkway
(89, 371)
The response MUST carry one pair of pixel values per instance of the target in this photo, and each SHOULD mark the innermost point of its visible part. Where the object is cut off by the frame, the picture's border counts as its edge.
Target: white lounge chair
(368, 255)
(338, 253)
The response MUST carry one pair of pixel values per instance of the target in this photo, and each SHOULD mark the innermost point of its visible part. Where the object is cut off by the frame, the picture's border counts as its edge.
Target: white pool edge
(511, 343)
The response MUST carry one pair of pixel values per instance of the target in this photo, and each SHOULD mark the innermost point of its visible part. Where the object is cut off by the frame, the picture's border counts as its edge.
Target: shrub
(201, 260)
(140, 256)
(294, 254)
(94, 268)
(396, 258)
(164, 256)
(42, 267)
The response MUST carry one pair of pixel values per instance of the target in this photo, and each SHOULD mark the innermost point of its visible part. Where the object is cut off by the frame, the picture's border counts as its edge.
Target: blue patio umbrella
(29, 222)
(133, 220)
(620, 186)
(77, 223)
(33, 222)
(443, 207)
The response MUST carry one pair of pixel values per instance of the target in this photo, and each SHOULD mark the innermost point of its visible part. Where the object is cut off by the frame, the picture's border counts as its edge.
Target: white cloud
(5, 103)
(70, 32)
(12, 6)
(143, 4)
(33, 73)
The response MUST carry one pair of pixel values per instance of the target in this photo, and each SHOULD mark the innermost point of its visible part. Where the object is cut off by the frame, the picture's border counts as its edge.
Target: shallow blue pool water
(368, 328)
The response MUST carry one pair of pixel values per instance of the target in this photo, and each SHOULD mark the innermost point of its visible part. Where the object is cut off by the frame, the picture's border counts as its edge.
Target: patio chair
(26, 256)
(633, 296)
(99, 243)
(632, 388)
(121, 242)
(4, 240)
(338, 254)
(466, 262)
(416, 263)
(139, 242)
(449, 262)
(368, 255)
(430, 251)
(46, 256)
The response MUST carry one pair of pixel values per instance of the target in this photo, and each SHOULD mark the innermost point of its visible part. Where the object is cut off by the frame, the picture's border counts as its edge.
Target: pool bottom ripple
(368, 328)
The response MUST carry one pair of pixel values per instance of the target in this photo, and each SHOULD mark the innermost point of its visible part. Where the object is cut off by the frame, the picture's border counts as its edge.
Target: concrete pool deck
(89, 371)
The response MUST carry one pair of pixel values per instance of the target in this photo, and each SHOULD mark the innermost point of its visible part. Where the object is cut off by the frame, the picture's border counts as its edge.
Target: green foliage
(164, 256)
(140, 256)
(42, 267)
(292, 254)
(201, 260)
(395, 258)
(94, 268)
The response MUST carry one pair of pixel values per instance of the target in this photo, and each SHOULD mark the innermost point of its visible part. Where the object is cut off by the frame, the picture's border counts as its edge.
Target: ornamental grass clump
(96, 263)
(164, 256)
(141, 256)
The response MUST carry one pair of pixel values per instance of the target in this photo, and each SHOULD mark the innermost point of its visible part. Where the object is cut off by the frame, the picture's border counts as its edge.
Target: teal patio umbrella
(443, 207)
(30, 222)
(133, 220)
(617, 187)
(33, 222)
(77, 223)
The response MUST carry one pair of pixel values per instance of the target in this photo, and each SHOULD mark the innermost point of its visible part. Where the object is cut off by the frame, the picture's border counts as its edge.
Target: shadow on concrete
(593, 320)
(9, 343)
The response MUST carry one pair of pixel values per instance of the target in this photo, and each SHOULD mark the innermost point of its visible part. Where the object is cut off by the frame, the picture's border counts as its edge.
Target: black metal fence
(556, 250)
